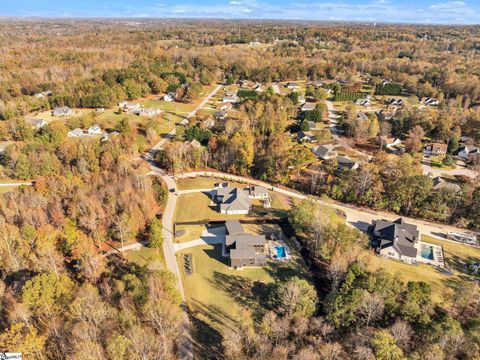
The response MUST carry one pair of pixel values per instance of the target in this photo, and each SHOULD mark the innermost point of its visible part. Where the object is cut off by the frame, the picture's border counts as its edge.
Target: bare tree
(371, 308)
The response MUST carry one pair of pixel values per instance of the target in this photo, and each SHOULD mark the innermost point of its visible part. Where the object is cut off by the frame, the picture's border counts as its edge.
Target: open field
(456, 257)
(217, 295)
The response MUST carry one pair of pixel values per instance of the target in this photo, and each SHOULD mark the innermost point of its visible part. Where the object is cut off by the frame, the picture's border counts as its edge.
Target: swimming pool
(281, 253)
(427, 252)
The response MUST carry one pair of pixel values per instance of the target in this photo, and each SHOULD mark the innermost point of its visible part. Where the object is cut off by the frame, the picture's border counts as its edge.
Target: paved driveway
(210, 236)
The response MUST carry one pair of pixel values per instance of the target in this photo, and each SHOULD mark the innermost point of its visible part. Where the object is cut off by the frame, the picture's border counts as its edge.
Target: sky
(391, 11)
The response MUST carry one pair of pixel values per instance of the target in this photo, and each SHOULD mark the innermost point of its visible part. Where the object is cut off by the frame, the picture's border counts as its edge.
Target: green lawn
(217, 295)
(196, 207)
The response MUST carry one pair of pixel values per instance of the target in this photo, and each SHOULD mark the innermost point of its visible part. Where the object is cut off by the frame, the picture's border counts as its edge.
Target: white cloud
(235, 3)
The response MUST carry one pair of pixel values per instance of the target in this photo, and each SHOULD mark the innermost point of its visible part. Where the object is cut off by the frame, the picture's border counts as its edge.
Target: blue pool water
(427, 252)
(280, 251)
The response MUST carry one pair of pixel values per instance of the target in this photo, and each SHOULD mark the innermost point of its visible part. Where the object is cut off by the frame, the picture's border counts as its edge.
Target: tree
(155, 238)
(371, 307)
(384, 346)
(297, 297)
(293, 96)
(48, 294)
(304, 126)
(413, 144)
(25, 339)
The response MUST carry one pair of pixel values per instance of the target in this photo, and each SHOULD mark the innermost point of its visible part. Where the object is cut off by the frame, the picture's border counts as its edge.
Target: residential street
(356, 216)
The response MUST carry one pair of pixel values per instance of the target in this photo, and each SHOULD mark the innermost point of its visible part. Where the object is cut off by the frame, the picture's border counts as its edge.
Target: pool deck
(437, 260)
(272, 251)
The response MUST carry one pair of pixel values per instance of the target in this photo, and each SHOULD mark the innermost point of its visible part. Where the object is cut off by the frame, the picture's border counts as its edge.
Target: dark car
(172, 190)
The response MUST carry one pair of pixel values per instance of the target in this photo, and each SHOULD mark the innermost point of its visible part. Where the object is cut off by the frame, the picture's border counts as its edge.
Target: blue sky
(411, 11)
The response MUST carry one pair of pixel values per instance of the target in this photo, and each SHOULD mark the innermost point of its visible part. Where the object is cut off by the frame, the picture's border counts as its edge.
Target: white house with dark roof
(467, 152)
(258, 192)
(324, 152)
(396, 239)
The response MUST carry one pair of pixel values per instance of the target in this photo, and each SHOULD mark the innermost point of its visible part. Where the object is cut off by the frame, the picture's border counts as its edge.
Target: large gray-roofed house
(233, 200)
(245, 250)
(439, 183)
(396, 239)
(258, 192)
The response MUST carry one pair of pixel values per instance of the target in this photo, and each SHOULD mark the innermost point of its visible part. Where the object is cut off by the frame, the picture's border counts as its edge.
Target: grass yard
(217, 295)
(196, 207)
(145, 255)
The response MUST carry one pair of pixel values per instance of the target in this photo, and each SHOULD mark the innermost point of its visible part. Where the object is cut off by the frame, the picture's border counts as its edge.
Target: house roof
(62, 110)
(362, 116)
(439, 183)
(233, 199)
(345, 161)
(303, 135)
(436, 147)
(308, 106)
(398, 234)
(234, 227)
(255, 189)
(322, 150)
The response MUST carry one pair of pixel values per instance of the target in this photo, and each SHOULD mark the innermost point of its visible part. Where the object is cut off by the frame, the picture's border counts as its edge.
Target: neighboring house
(362, 116)
(43, 94)
(244, 249)
(95, 130)
(258, 88)
(468, 152)
(184, 122)
(363, 102)
(435, 149)
(258, 192)
(308, 107)
(220, 115)
(208, 123)
(439, 183)
(37, 124)
(75, 133)
(127, 106)
(147, 111)
(230, 99)
(394, 102)
(305, 136)
(396, 239)
(292, 85)
(225, 106)
(194, 144)
(430, 101)
(62, 111)
(324, 152)
(345, 163)
(232, 200)
(390, 142)
(169, 97)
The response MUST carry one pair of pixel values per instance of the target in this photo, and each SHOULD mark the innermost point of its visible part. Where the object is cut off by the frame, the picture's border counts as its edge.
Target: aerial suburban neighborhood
(239, 189)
